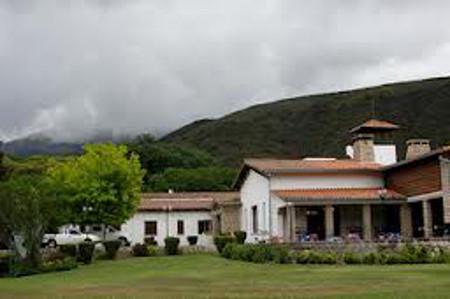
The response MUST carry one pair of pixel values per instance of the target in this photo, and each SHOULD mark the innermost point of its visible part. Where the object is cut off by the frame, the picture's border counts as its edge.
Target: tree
(28, 208)
(156, 156)
(200, 179)
(102, 186)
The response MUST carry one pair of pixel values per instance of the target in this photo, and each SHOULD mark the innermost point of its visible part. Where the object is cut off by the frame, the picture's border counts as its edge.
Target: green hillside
(318, 125)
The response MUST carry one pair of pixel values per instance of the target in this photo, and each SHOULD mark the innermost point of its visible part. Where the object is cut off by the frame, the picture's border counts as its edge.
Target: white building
(324, 197)
(179, 215)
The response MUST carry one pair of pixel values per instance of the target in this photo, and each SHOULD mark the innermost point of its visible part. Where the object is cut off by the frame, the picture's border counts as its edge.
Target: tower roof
(374, 126)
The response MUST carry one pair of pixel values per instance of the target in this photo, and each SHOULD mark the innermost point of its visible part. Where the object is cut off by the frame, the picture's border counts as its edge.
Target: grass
(209, 276)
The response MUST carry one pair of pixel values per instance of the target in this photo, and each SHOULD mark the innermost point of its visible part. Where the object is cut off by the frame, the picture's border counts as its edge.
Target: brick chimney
(417, 148)
(363, 148)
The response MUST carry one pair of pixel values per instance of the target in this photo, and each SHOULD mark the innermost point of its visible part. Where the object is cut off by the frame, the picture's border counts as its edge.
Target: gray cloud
(73, 67)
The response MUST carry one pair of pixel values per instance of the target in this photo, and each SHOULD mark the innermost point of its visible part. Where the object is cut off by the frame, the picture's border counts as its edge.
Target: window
(204, 226)
(255, 219)
(180, 227)
(151, 228)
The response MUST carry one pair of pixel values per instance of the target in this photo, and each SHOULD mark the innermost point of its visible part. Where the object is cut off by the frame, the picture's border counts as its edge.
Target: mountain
(40, 145)
(318, 125)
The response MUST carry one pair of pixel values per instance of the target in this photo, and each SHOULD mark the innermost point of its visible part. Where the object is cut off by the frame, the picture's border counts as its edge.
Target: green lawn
(212, 276)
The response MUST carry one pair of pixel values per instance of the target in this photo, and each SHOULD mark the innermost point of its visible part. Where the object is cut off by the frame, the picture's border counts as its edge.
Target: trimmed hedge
(257, 253)
(140, 250)
(240, 236)
(65, 264)
(86, 252)
(111, 248)
(270, 253)
(222, 240)
(171, 245)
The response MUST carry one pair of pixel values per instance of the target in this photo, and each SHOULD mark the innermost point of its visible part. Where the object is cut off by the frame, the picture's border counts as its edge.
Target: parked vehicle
(108, 233)
(68, 236)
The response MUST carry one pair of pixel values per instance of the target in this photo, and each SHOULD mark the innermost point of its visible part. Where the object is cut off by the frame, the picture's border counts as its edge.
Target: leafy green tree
(28, 208)
(200, 179)
(102, 186)
(158, 156)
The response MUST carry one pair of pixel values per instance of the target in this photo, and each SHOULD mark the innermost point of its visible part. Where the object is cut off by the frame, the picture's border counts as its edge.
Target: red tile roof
(275, 166)
(375, 124)
(344, 193)
(186, 201)
(176, 205)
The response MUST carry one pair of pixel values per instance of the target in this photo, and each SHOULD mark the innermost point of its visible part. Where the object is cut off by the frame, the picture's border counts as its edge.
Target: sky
(74, 68)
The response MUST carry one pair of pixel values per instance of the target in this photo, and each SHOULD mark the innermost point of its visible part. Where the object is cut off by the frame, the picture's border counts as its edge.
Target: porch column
(427, 219)
(287, 223)
(367, 222)
(405, 221)
(293, 224)
(329, 221)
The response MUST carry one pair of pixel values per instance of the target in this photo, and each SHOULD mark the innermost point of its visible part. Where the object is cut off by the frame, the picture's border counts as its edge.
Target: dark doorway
(417, 219)
(437, 210)
(316, 221)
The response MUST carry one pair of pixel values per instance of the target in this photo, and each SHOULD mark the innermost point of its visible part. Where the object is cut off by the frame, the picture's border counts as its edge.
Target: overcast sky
(72, 67)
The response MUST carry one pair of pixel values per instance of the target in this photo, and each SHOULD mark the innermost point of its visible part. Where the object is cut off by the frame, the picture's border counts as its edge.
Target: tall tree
(102, 186)
(28, 209)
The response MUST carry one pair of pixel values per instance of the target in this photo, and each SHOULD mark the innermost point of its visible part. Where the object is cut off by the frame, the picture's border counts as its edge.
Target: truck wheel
(88, 240)
(52, 244)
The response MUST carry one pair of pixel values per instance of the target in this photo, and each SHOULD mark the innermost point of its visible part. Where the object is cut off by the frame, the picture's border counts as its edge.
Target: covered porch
(360, 214)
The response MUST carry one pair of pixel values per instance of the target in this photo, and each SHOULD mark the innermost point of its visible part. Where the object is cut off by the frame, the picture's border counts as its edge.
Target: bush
(150, 241)
(6, 261)
(240, 236)
(192, 240)
(140, 250)
(111, 248)
(68, 250)
(86, 252)
(152, 250)
(352, 258)
(65, 264)
(171, 245)
(258, 253)
(222, 240)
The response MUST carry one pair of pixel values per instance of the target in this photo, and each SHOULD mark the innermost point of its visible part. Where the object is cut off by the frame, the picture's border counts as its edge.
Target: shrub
(222, 240)
(240, 236)
(301, 257)
(140, 250)
(68, 249)
(65, 264)
(86, 252)
(150, 241)
(192, 240)
(171, 245)
(152, 250)
(228, 250)
(330, 259)
(352, 258)
(371, 259)
(111, 248)
(6, 261)
(415, 254)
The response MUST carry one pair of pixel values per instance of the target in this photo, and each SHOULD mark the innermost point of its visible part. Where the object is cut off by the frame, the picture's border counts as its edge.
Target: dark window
(255, 219)
(151, 228)
(204, 226)
(180, 227)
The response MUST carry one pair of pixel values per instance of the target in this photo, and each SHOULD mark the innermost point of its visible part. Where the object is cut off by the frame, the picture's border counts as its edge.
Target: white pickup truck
(68, 236)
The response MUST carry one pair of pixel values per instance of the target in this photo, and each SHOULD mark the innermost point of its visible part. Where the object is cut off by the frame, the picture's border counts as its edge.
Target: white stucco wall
(134, 229)
(255, 192)
(326, 180)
